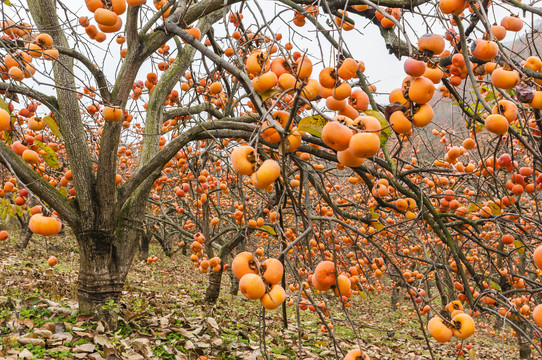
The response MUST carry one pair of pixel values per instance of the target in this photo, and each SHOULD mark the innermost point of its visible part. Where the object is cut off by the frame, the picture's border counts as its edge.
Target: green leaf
(386, 132)
(63, 191)
(495, 209)
(474, 207)
(472, 354)
(313, 125)
(53, 126)
(519, 245)
(494, 285)
(269, 229)
(378, 226)
(50, 156)
(7, 2)
(7, 137)
(19, 210)
(374, 215)
(363, 295)
(11, 212)
(4, 106)
(269, 93)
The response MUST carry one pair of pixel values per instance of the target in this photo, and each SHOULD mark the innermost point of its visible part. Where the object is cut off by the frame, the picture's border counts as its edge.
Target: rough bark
(215, 279)
(213, 289)
(144, 245)
(24, 237)
(395, 296)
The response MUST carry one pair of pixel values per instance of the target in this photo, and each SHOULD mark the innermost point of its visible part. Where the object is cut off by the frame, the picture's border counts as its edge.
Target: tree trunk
(213, 289)
(234, 287)
(105, 259)
(24, 237)
(395, 296)
(523, 343)
(144, 245)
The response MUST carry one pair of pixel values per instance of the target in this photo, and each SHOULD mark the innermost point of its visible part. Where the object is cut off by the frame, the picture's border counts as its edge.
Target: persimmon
(497, 124)
(421, 90)
(343, 286)
(112, 114)
(432, 43)
(303, 67)
(93, 5)
(364, 144)
(413, 67)
(334, 104)
(359, 100)
(324, 276)
(498, 31)
(435, 74)
(400, 123)
(512, 23)
(342, 91)
(536, 102)
(3, 235)
(109, 29)
(438, 330)
(252, 286)
(347, 158)
(44, 40)
(485, 50)
(423, 116)
(105, 17)
(244, 263)
(504, 79)
(52, 261)
(267, 173)
(348, 69)
(534, 63)
(355, 354)
(328, 77)
(336, 135)
(469, 144)
(463, 326)
(293, 141)
(537, 315)
(265, 82)
(118, 6)
(5, 120)
(396, 95)
(452, 7)
(368, 124)
(311, 90)
(135, 3)
(16, 73)
(44, 225)
(537, 257)
(273, 298)
(272, 271)
(506, 108)
(31, 157)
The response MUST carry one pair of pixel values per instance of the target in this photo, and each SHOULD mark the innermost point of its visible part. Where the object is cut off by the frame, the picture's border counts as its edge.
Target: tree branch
(38, 185)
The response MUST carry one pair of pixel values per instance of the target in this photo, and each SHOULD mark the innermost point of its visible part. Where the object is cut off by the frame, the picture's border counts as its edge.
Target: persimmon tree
(194, 114)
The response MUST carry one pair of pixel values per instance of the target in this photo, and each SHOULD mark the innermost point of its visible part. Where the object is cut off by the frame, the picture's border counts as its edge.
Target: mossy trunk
(105, 259)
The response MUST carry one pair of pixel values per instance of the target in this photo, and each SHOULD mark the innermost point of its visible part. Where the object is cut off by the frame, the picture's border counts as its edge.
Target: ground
(162, 316)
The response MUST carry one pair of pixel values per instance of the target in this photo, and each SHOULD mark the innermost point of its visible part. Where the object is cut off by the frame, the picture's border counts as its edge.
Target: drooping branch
(38, 185)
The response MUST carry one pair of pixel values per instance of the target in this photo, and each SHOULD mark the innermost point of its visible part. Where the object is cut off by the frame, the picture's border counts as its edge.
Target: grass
(163, 302)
